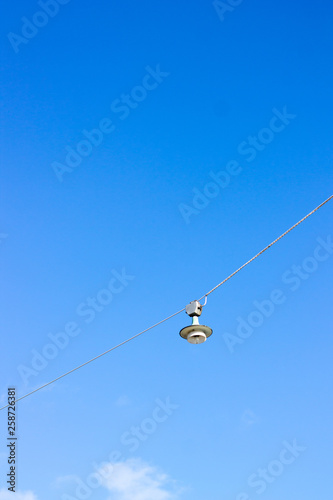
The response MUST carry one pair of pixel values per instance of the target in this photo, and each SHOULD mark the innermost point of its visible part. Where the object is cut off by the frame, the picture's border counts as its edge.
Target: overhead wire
(174, 314)
(266, 248)
(93, 359)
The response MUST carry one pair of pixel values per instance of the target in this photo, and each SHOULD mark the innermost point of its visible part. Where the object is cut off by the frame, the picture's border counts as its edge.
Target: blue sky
(149, 150)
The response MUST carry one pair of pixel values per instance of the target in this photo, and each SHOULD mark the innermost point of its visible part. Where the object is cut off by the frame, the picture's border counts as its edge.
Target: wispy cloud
(134, 479)
(8, 495)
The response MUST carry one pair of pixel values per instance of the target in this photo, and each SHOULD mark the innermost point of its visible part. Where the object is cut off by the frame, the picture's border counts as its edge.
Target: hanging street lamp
(195, 333)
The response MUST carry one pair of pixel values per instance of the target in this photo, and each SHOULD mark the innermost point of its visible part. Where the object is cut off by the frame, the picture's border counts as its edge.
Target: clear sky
(148, 150)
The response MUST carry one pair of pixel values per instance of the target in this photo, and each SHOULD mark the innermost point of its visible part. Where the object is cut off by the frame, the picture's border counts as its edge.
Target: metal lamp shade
(196, 334)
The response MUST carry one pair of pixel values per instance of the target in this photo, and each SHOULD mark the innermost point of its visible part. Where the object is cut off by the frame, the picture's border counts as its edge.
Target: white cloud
(8, 495)
(136, 480)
